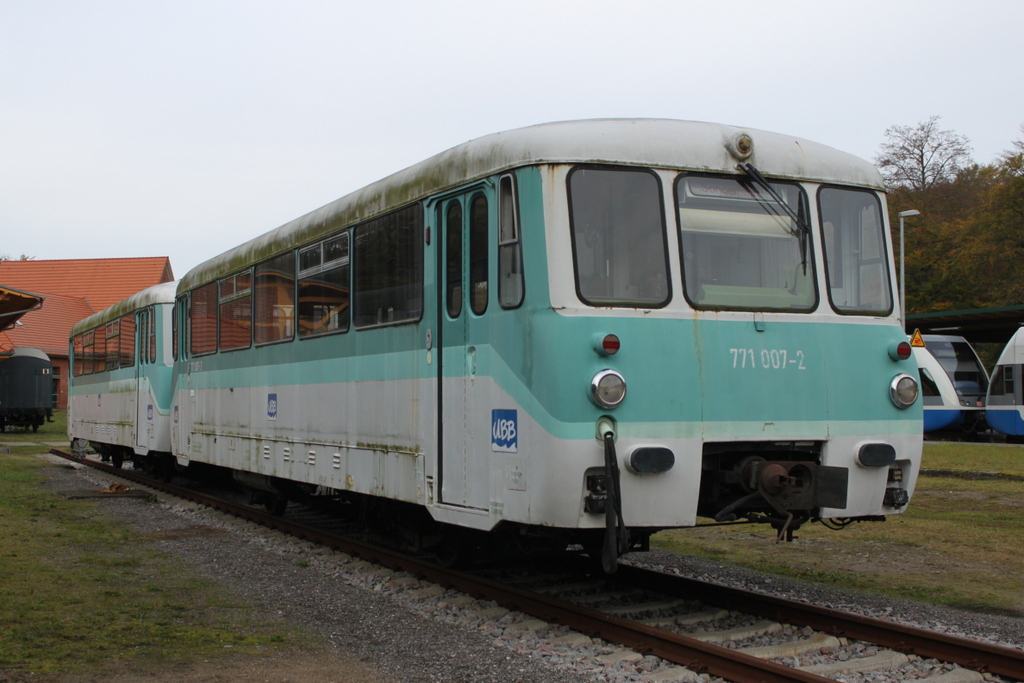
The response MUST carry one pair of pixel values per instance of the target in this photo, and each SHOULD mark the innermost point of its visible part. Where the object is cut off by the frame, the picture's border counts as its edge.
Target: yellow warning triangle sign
(916, 339)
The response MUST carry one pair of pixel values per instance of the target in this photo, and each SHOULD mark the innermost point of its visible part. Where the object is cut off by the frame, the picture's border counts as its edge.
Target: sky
(185, 128)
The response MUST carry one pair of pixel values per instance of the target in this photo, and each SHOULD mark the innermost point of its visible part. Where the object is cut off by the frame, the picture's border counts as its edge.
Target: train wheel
(117, 460)
(455, 550)
(275, 504)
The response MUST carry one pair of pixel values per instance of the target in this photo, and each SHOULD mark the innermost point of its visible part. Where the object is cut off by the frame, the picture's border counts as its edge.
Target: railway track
(677, 619)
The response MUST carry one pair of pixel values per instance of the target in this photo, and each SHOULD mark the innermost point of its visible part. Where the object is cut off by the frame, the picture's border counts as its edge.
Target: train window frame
(128, 340)
(758, 297)
(454, 266)
(479, 253)
(511, 278)
(325, 263)
(174, 330)
(234, 295)
(181, 337)
(99, 362)
(366, 242)
(203, 292)
(88, 351)
(268, 269)
(142, 324)
(631, 253)
(152, 334)
(112, 332)
(77, 355)
(837, 252)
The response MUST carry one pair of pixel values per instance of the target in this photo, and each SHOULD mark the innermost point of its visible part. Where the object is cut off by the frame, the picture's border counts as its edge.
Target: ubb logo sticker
(149, 413)
(271, 406)
(505, 431)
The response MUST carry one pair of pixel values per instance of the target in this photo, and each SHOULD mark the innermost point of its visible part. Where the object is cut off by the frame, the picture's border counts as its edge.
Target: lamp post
(903, 269)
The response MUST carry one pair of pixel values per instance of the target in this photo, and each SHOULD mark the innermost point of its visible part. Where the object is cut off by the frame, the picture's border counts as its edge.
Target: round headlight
(903, 391)
(608, 389)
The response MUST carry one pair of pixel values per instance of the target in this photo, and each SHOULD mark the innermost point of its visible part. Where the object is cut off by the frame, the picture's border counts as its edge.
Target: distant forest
(966, 249)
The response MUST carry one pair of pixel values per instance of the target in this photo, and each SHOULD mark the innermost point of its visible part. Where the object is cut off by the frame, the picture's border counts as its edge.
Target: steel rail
(694, 654)
(973, 654)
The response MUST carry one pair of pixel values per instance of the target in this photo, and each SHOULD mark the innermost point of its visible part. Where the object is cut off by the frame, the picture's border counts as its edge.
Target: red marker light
(904, 350)
(610, 344)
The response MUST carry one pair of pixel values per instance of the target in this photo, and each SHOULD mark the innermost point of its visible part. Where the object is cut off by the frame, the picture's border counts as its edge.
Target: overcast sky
(181, 129)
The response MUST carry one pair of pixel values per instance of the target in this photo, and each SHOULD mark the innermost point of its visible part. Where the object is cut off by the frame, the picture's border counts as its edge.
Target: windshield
(858, 273)
(741, 248)
(960, 362)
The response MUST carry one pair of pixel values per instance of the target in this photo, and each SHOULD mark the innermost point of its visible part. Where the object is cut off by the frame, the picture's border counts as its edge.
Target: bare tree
(918, 157)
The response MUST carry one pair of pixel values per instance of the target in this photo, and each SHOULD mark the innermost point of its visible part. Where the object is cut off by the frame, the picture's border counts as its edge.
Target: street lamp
(903, 270)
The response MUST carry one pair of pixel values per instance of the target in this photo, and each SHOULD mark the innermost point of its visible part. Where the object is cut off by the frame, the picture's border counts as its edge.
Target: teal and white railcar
(121, 380)
(585, 330)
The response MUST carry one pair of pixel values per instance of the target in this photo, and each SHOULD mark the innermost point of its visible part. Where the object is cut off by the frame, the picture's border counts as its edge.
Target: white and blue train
(953, 383)
(1005, 405)
(579, 332)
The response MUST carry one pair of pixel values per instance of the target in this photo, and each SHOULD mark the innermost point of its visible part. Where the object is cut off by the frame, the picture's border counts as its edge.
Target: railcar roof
(658, 143)
(157, 294)
(28, 352)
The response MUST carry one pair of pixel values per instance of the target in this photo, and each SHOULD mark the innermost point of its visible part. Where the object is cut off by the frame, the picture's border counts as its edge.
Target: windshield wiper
(803, 230)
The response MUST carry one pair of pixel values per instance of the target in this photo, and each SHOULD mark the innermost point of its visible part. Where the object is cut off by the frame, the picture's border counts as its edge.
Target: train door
(463, 433)
(143, 321)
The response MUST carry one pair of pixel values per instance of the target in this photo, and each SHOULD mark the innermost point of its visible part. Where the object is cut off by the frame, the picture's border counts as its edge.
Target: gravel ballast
(410, 631)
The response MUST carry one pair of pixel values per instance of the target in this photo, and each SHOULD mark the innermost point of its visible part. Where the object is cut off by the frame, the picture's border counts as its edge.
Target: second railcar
(121, 375)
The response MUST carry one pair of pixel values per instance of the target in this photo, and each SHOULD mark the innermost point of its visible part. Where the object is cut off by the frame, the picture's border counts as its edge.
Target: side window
(99, 350)
(324, 287)
(855, 256)
(388, 270)
(235, 310)
(184, 332)
(140, 326)
(88, 352)
(274, 299)
(79, 357)
(453, 259)
(152, 334)
(619, 244)
(128, 340)
(113, 334)
(478, 250)
(175, 312)
(202, 320)
(510, 252)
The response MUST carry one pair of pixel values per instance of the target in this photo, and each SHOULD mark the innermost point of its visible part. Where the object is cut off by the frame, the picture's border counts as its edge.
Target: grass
(1008, 459)
(49, 431)
(955, 545)
(79, 592)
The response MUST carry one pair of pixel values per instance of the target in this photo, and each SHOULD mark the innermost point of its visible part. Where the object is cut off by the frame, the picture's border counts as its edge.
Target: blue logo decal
(271, 406)
(175, 414)
(505, 431)
(149, 413)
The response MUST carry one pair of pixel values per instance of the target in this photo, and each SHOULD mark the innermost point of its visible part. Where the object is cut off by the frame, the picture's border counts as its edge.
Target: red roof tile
(101, 282)
(48, 328)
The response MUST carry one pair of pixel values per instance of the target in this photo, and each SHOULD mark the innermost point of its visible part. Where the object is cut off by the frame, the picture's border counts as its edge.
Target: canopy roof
(15, 303)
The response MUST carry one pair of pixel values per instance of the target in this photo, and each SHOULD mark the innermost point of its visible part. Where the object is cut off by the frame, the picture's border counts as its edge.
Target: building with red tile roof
(72, 289)
(102, 281)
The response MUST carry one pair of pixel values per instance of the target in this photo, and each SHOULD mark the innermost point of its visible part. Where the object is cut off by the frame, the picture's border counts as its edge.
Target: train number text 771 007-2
(768, 359)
